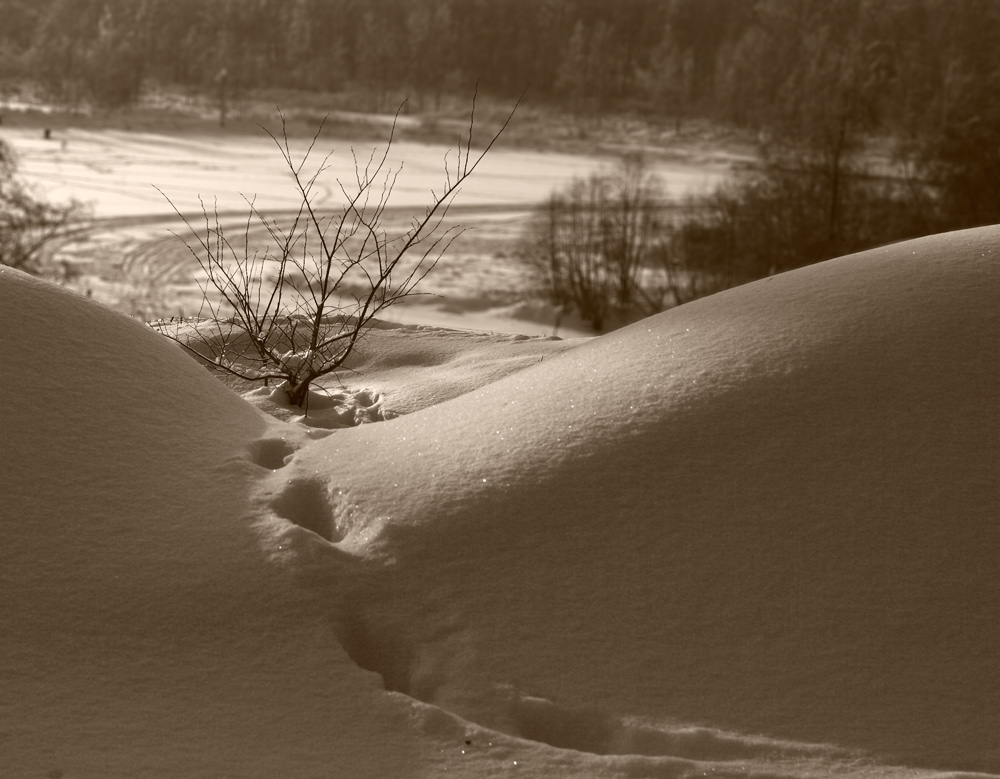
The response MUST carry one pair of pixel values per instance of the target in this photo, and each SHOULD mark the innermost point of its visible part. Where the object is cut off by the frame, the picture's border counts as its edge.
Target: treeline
(108, 50)
(877, 120)
(907, 65)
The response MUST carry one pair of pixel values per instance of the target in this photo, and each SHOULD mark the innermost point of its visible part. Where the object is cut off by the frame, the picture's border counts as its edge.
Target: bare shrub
(29, 224)
(294, 310)
(784, 216)
(963, 162)
(610, 244)
(695, 254)
(589, 242)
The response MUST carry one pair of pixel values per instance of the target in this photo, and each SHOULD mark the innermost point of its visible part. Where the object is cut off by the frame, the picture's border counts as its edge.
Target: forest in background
(825, 73)
(903, 66)
(875, 120)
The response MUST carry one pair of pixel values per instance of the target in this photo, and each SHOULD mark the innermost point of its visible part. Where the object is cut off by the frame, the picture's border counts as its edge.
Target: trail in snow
(768, 511)
(752, 536)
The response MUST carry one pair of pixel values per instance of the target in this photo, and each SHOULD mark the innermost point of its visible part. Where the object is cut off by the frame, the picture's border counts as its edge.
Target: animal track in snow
(365, 400)
(325, 409)
(344, 408)
(306, 503)
(372, 648)
(419, 667)
(271, 453)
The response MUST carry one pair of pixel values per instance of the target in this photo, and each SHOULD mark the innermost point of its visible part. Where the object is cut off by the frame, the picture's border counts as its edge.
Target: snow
(131, 258)
(754, 535)
(143, 632)
(112, 170)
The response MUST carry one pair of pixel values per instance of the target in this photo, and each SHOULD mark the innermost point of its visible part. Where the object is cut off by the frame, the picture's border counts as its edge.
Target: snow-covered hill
(756, 534)
(144, 633)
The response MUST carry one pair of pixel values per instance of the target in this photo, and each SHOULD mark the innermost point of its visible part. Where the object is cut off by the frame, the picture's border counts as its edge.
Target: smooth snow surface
(114, 170)
(143, 632)
(755, 535)
(772, 511)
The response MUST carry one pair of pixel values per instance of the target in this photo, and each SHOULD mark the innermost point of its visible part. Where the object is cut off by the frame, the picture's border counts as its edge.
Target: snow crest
(772, 511)
(755, 535)
(145, 632)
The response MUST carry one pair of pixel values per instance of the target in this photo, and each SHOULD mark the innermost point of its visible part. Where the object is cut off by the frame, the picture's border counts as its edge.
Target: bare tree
(631, 224)
(589, 242)
(566, 251)
(294, 311)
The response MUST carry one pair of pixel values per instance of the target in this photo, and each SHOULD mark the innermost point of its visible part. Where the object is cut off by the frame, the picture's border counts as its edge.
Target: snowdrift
(755, 535)
(143, 632)
(773, 511)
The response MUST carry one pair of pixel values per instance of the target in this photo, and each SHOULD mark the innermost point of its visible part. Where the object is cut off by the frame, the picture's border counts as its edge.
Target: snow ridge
(754, 535)
(765, 512)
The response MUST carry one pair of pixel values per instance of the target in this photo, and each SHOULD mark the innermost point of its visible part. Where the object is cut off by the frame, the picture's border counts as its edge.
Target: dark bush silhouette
(28, 223)
(589, 243)
(610, 245)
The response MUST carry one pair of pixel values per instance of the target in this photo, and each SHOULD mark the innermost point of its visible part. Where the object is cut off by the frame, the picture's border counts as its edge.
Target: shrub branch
(294, 310)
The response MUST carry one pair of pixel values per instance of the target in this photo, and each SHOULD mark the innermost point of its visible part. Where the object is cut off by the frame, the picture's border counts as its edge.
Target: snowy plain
(755, 535)
(113, 170)
(130, 259)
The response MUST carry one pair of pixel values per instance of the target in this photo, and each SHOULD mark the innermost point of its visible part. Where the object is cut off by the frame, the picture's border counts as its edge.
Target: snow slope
(771, 511)
(755, 535)
(144, 634)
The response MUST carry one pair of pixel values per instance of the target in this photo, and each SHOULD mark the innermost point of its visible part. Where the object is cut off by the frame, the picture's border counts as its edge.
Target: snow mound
(143, 631)
(394, 369)
(755, 535)
(325, 409)
(415, 366)
(770, 512)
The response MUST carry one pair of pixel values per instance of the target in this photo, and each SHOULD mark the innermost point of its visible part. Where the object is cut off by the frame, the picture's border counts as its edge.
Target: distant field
(130, 258)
